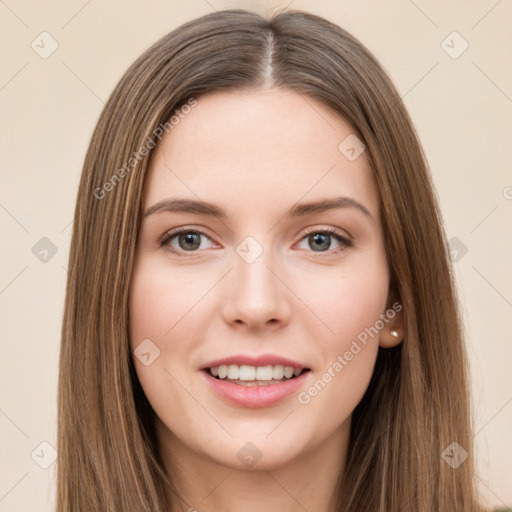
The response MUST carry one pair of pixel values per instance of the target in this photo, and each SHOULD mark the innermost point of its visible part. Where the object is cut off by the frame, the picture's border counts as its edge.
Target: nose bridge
(256, 296)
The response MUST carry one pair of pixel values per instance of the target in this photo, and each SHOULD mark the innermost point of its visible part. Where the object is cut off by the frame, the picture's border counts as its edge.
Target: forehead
(259, 149)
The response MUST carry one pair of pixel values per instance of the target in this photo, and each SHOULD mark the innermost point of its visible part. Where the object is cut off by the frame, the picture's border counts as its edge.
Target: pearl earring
(394, 333)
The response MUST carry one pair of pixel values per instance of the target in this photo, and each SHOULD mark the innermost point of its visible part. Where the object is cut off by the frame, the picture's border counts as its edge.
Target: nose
(256, 295)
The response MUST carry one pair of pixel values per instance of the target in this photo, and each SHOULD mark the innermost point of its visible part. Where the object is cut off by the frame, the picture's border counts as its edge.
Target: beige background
(462, 108)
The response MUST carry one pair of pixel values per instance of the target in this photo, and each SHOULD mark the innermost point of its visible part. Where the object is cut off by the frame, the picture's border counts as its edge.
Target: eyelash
(346, 242)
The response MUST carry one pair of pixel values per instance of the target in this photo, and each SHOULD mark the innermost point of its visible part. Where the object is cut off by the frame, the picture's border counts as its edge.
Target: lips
(259, 393)
(255, 396)
(261, 360)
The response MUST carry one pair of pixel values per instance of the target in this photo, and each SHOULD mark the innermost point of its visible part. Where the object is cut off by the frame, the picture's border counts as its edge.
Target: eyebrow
(181, 205)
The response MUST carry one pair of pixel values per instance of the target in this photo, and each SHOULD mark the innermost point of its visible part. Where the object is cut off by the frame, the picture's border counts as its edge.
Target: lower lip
(255, 396)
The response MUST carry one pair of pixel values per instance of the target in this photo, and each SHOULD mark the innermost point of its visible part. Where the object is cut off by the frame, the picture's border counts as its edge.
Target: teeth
(233, 372)
(223, 371)
(253, 373)
(278, 372)
(264, 373)
(246, 372)
(288, 372)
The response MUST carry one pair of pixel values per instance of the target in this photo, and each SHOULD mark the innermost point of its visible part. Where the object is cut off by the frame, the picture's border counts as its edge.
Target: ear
(394, 330)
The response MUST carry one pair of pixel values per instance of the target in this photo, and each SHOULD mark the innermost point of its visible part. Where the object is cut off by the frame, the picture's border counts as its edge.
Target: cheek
(158, 313)
(346, 301)
(349, 305)
(348, 356)
(358, 305)
(159, 300)
(164, 305)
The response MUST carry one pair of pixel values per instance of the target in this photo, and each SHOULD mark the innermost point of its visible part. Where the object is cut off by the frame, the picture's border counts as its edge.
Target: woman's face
(263, 284)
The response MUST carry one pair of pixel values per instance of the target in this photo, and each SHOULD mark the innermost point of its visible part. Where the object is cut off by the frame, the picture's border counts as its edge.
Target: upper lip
(261, 360)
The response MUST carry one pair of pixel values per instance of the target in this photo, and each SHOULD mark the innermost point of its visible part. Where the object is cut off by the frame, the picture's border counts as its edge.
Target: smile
(255, 387)
(247, 375)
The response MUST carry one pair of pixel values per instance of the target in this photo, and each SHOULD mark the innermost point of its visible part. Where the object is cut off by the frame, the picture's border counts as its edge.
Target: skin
(256, 154)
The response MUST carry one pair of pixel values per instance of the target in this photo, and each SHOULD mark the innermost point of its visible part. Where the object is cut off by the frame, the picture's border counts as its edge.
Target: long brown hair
(417, 403)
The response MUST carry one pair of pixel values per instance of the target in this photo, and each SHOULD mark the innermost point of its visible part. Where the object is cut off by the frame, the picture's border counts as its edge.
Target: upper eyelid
(171, 233)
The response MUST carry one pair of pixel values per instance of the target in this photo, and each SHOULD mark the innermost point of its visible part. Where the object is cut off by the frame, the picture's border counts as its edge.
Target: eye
(321, 240)
(183, 240)
(188, 240)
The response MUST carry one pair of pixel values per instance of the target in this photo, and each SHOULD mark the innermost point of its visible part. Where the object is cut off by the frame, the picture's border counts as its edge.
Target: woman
(261, 312)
